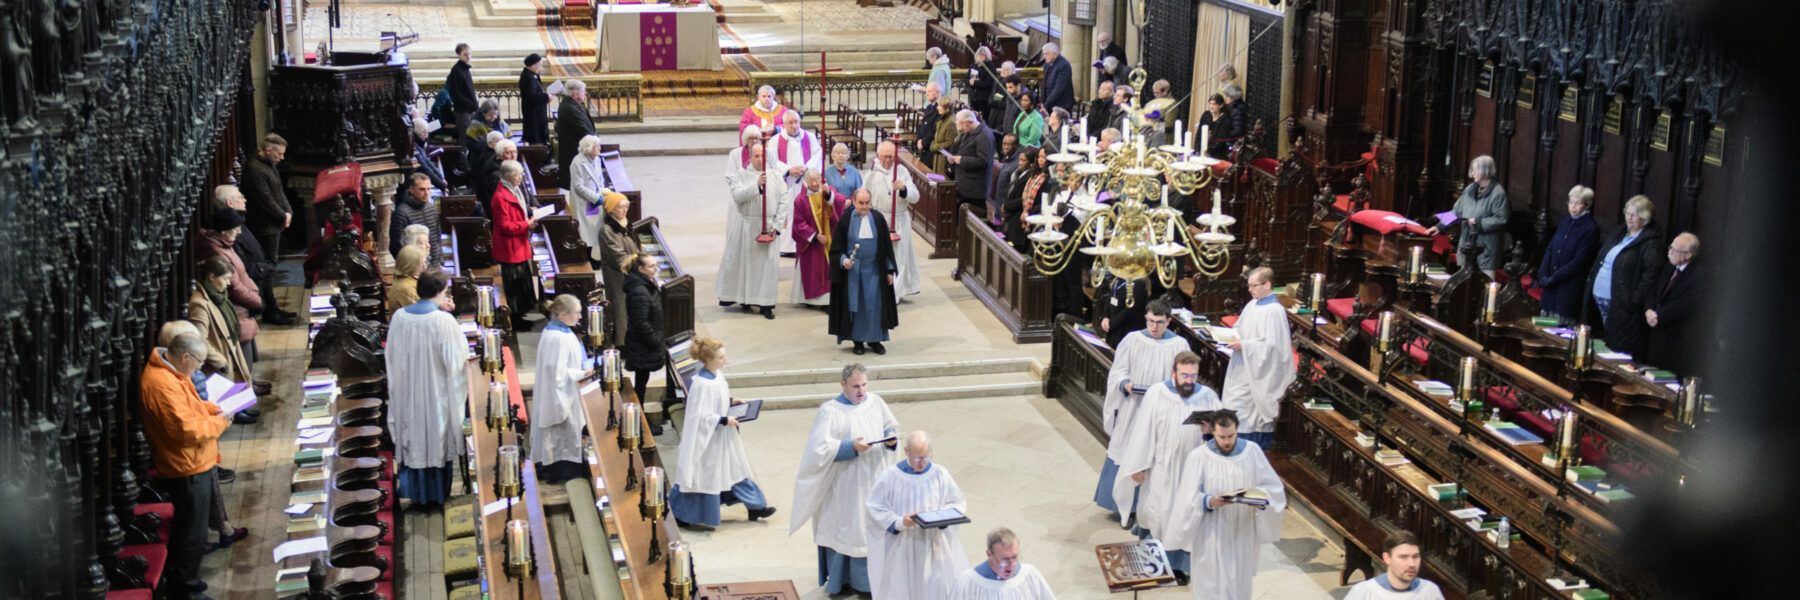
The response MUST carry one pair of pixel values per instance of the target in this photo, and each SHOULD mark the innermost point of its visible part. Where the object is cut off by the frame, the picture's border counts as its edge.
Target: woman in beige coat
(210, 309)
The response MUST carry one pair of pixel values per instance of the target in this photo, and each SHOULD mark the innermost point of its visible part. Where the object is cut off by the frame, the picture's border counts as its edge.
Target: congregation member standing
(1675, 313)
(841, 175)
(1059, 79)
(572, 123)
(748, 269)
(512, 241)
(1626, 275)
(862, 272)
(972, 159)
(1401, 555)
(183, 432)
(1003, 576)
(618, 247)
(416, 207)
(557, 416)
(891, 189)
(1262, 360)
(816, 211)
(1142, 360)
(461, 83)
(409, 263)
(1150, 464)
(711, 469)
(266, 209)
(533, 102)
(427, 360)
(210, 309)
(1566, 260)
(1481, 215)
(842, 459)
(1223, 534)
(585, 197)
(907, 560)
(643, 349)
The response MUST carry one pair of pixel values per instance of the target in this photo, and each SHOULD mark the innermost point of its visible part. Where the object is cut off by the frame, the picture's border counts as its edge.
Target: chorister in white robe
(1262, 369)
(1027, 584)
(749, 271)
(1142, 361)
(556, 410)
(1378, 588)
(738, 160)
(785, 151)
(428, 397)
(711, 457)
(913, 563)
(830, 491)
(892, 192)
(1225, 541)
(1160, 445)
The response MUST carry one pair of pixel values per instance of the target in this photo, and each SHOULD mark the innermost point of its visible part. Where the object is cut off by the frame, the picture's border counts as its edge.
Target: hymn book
(1247, 496)
(746, 412)
(1199, 417)
(1225, 336)
(231, 397)
(941, 518)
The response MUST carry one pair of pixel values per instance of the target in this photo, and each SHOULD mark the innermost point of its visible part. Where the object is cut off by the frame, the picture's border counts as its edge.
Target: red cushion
(1342, 204)
(575, 3)
(1228, 320)
(155, 554)
(1416, 350)
(137, 594)
(1386, 222)
(1340, 307)
(1265, 164)
(1369, 325)
(1440, 245)
(1503, 399)
(165, 510)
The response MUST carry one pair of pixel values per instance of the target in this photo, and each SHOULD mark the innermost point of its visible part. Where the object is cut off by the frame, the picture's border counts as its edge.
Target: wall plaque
(1715, 147)
(1527, 92)
(1659, 135)
(1571, 103)
(1484, 81)
(1081, 12)
(1615, 112)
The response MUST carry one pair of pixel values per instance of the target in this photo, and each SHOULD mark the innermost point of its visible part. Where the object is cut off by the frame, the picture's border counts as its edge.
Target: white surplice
(915, 563)
(1372, 589)
(735, 162)
(1160, 445)
(712, 456)
(750, 271)
(886, 189)
(1261, 370)
(428, 394)
(1142, 361)
(556, 411)
(832, 493)
(802, 150)
(1027, 584)
(1225, 541)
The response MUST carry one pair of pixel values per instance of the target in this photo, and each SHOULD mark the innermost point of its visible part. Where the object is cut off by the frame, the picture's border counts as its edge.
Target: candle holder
(499, 410)
(1465, 390)
(610, 371)
(1415, 268)
(1581, 352)
(1490, 305)
(1564, 450)
(1690, 404)
(653, 505)
(518, 550)
(1384, 341)
(487, 305)
(596, 326)
(679, 582)
(630, 440)
(491, 346)
(507, 472)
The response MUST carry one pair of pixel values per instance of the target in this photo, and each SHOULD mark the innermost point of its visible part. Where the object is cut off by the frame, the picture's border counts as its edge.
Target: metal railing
(870, 92)
(611, 97)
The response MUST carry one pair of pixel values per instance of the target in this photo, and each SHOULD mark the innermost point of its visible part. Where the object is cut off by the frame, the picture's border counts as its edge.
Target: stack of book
(1435, 388)
(1513, 434)
(1445, 492)
(1592, 479)
(1391, 457)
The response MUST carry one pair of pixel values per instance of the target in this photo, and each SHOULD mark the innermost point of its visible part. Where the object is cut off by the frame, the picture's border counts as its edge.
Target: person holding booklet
(1003, 576)
(1228, 504)
(914, 553)
(1142, 360)
(1262, 359)
(1150, 464)
(712, 469)
(557, 417)
(851, 444)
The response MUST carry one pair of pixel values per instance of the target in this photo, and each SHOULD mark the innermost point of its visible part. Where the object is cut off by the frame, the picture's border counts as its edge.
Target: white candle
(1140, 152)
(1065, 136)
(1096, 229)
(653, 487)
(631, 426)
(1204, 133)
(1044, 203)
(1179, 137)
(1582, 345)
(1492, 302)
(1218, 203)
(1125, 135)
(1093, 155)
(1567, 430)
(1418, 264)
(681, 573)
(1318, 289)
(1468, 378)
(1165, 190)
(1171, 222)
(1387, 329)
(518, 543)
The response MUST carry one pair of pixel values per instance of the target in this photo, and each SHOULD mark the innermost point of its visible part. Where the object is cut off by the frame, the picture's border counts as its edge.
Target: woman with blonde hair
(405, 289)
(1625, 277)
(712, 469)
(557, 416)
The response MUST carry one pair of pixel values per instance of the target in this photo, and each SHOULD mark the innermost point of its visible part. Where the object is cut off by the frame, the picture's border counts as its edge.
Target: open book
(1223, 335)
(1248, 496)
(746, 412)
(232, 397)
(941, 518)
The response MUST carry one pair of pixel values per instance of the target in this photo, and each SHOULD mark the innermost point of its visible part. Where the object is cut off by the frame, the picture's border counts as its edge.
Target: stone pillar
(380, 189)
(1289, 62)
(1078, 47)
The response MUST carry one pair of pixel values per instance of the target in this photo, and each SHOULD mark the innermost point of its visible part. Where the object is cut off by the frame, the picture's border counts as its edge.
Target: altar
(657, 37)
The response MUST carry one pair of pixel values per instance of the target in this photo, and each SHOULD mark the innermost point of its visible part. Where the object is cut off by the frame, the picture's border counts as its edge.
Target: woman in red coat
(512, 240)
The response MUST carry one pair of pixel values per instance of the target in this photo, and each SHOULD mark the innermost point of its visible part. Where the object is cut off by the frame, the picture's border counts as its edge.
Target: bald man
(907, 561)
(1675, 311)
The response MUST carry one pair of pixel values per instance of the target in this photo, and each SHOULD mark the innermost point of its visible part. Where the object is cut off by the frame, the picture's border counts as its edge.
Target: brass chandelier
(1132, 239)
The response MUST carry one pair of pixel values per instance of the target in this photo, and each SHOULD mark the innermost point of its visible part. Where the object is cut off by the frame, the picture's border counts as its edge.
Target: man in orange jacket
(184, 441)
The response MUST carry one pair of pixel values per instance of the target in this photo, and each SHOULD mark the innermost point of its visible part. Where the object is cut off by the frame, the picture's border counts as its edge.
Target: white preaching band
(1003, 576)
(907, 560)
(1222, 530)
(749, 269)
(1150, 462)
(791, 151)
(1142, 360)
(842, 459)
(891, 188)
(1262, 360)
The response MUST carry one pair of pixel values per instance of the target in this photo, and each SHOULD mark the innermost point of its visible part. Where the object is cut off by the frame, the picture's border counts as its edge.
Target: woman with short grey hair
(1631, 259)
(1481, 214)
(587, 186)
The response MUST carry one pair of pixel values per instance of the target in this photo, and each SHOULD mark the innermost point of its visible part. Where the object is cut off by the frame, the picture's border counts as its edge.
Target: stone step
(898, 390)
(887, 372)
(483, 13)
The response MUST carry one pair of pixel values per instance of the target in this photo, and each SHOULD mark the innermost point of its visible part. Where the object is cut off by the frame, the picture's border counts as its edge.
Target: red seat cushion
(137, 594)
(1265, 164)
(1386, 222)
(165, 510)
(1228, 320)
(1342, 204)
(1416, 350)
(155, 554)
(1503, 399)
(1340, 307)
(575, 3)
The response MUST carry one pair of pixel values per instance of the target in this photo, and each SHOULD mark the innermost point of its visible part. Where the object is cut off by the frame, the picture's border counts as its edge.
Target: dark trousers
(980, 204)
(516, 278)
(271, 244)
(192, 497)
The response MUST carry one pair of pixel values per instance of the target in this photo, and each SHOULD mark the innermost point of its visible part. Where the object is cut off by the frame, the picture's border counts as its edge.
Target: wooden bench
(934, 216)
(1006, 282)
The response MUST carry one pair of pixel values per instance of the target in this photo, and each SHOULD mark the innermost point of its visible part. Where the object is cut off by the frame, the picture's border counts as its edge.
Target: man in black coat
(1059, 79)
(1125, 305)
(1105, 47)
(860, 259)
(972, 159)
(928, 119)
(1678, 340)
(414, 206)
(572, 124)
(1099, 114)
(1237, 114)
(461, 83)
(266, 209)
(534, 103)
(982, 80)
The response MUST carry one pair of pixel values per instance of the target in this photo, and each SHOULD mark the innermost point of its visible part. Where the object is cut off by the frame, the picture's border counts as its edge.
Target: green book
(1584, 473)
(1614, 495)
(1600, 345)
(1590, 594)
(1443, 491)
(1545, 321)
(309, 455)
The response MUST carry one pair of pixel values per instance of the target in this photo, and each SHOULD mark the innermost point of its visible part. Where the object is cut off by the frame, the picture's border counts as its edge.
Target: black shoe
(724, 303)
(227, 475)
(1181, 578)
(264, 388)
(693, 526)
(244, 418)
(656, 429)
(768, 312)
(225, 541)
(274, 318)
(287, 314)
(858, 349)
(761, 513)
(878, 348)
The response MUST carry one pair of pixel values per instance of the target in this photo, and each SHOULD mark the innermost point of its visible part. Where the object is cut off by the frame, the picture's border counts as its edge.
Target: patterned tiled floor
(844, 15)
(367, 21)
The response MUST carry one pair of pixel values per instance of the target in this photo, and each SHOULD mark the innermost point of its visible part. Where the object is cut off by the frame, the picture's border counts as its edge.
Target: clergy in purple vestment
(816, 210)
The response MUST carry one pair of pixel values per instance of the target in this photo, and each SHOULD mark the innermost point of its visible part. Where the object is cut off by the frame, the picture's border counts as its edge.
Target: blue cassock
(865, 279)
(845, 183)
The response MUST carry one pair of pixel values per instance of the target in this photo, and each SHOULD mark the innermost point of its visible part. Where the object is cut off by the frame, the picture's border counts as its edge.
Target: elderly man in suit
(972, 158)
(572, 124)
(1059, 79)
(1674, 312)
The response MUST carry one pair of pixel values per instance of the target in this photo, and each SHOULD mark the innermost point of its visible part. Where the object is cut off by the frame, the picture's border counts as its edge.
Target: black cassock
(536, 106)
(840, 324)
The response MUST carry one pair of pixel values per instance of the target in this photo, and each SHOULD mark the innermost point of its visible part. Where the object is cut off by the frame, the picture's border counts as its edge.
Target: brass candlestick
(679, 584)
(630, 440)
(1581, 352)
(1415, 269)
(1691, 404)
(491, 347)
(596, 326)
(518, 549)
(652, 506)
(487, 305)
(507, 467)
(499, 415)
(1383, 342)
(609, 373)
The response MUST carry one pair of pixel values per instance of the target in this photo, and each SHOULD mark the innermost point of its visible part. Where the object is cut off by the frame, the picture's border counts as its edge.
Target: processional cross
(823, 106)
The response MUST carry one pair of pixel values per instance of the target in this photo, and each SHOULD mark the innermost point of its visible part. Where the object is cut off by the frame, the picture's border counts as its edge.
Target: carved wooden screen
(1168, 51)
